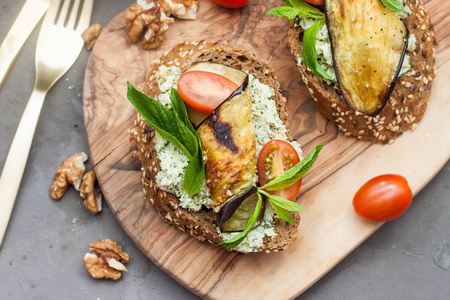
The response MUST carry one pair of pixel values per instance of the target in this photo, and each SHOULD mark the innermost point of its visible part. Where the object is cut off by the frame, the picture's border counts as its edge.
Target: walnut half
(70, 172)
(93, 202)
(91, 34)
(182, 9)
(110, 262)
(149, 19)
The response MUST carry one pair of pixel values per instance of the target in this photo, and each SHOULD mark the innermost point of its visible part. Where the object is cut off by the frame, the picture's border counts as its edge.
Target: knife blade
(30, 14)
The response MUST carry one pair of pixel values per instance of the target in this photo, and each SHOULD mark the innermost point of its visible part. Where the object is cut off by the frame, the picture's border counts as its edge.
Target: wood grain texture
(329, 229)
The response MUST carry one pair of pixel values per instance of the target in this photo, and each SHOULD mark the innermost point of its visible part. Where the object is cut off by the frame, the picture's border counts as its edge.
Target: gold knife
(29, 16)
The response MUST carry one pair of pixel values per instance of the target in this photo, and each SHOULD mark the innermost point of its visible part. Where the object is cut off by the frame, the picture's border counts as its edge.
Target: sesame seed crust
(406, 105)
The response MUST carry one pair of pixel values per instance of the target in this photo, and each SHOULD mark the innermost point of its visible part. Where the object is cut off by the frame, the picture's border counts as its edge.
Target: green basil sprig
(175, 127)
(296, 8)
(309, 53)
(233, 242)
(292, 175)
(280, 205)
(393, 5)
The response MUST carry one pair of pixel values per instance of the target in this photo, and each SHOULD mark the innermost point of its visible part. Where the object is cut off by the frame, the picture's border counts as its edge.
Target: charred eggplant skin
(368, 44)
(241, 89)
(237, 76)
(234, 215)
(228, 142)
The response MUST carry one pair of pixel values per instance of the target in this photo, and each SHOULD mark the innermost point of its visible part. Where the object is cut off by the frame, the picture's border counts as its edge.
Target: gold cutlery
(58, 46)
(30, 14)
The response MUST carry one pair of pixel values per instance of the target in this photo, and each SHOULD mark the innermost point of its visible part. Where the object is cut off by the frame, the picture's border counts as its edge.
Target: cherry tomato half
(315, 2)
(275, 158)
(231, 3)
(204, 91)
(383, 198)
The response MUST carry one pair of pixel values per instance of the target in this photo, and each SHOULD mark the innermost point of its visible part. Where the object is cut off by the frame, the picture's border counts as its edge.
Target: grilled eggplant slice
(235, 75)
(228, 141)
(234, 215)
(368, 43)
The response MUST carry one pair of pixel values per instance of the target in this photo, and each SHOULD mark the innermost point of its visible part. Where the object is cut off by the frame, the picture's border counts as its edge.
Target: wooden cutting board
(329, 230)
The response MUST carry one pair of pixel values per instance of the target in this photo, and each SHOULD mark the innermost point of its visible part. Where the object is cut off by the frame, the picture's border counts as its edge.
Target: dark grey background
(42, 253)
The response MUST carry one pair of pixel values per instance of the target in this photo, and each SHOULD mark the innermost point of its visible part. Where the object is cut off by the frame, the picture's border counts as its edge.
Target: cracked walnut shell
(70, 172)
(91, 34)
(149, 19)
(110, 262)
(108, 248)
(93, 202)
(182, 9)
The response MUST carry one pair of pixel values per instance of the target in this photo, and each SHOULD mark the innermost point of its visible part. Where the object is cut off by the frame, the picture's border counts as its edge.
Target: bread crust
(407, 103)
(202, 224)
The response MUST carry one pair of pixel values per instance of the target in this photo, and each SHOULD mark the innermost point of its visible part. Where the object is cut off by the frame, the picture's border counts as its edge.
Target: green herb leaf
(393, 5)
(309, 53)
(296, 8)
(287, 2)
(180, 108)
(195, 171)
(175, 127)
(161, 119)
(283, 214)
(412, 65)
(292, 175)
(284, 11)
(281, 202)
(231, 243)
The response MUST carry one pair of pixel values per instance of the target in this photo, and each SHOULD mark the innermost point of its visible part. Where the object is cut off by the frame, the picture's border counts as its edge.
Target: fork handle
(17, 158)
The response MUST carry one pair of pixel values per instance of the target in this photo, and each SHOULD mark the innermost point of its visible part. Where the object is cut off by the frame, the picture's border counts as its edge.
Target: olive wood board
(329, 228)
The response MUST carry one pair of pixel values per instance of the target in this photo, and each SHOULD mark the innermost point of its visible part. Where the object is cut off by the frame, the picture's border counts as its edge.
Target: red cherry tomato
(315, 2)
(275, 158)
(231, 3)
(204, 91)
(383, 198)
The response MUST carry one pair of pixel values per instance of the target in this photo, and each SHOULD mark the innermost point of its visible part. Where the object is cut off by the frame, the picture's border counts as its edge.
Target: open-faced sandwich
(217, 158)
(368, 64)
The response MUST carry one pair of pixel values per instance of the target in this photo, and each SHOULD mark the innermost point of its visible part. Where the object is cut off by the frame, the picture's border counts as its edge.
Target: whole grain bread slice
(203, 224)
(407, 103)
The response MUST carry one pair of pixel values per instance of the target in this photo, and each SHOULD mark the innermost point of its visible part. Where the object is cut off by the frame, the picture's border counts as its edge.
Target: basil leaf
(193, 176)
(296, 8)
(180, 108)
(292, 175)
(284, 11)
(231, 243)
(392, 5)
(283, 214)
(287, 2)
(281, 202)
(161, 119)
(309, 53)
(311, 10)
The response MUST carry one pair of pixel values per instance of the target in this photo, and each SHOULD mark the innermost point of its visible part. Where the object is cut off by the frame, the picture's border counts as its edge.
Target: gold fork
(58, 46)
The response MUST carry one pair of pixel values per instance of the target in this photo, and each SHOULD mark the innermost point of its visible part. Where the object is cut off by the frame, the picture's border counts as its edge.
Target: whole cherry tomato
(383, 198)
(231, 3)
(204, 91)
(275, 158)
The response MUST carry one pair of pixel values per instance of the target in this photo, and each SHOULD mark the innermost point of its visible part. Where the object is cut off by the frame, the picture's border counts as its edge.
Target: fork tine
(63, 14)
(73, 14)
(85, 16)
(52, 12)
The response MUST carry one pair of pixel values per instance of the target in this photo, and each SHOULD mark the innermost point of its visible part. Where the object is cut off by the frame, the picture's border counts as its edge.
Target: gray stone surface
(41, 256)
